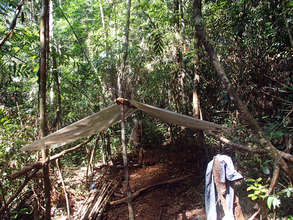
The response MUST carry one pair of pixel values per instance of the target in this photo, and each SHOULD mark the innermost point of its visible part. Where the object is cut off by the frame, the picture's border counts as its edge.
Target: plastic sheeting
(82, 128)
(176, 118)
(111, 115)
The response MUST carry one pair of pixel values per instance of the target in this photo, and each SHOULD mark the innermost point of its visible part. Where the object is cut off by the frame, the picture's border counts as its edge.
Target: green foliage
(251, 38)
(273, 201)
(20, 213)
(258, 189)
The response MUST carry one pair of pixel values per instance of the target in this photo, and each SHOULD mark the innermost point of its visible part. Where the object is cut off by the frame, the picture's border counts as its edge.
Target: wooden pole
(125, 164)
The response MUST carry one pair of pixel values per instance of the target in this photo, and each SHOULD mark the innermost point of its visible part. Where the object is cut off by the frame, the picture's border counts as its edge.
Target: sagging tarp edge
(111, 115)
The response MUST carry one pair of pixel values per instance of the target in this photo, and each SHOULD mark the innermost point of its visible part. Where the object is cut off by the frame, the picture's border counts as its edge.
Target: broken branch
(27, 179)
(135, 194)
(40, 164)
(13, 24)
(234, 145)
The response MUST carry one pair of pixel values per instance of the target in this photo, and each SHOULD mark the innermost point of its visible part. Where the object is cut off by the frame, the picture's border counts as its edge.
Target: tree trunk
(195, 96)
(104, 27)
(108, 147)
(44, 50)
(57, 120)
(120, 94)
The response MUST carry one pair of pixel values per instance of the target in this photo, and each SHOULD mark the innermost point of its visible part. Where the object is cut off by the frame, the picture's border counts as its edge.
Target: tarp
(108, 117)
(82, 128)
(176, 118)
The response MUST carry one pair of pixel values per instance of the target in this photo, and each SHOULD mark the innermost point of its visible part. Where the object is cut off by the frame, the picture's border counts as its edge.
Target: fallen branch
(275, 177)
(40, 164)
(64, 189)
(96, 202)
(135, 194)
(10, 200)
(234, 145)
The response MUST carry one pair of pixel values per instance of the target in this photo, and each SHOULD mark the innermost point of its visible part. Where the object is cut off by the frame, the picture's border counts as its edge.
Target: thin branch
(255, 214)
(235, 145)
(13, 24)
(135, 194)
(27, 179)
(274, 180)
(40, 164)
(223, 139)
(64, 189)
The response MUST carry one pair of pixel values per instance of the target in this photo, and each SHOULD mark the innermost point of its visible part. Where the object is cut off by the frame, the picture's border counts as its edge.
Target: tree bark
(57, 121)
(120, 93)
(197, 5)
(44, 47)
(104, 27)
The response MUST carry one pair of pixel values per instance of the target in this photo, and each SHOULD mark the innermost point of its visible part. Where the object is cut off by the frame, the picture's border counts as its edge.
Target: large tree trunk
(44, 49)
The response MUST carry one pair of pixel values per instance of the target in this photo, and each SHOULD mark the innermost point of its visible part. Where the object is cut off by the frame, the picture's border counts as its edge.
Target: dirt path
(181, 200)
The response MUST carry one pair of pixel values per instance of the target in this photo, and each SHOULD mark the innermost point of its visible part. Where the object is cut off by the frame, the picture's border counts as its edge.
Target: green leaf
(259, 179)
(249, 188)
(273, 200)
(269, 201)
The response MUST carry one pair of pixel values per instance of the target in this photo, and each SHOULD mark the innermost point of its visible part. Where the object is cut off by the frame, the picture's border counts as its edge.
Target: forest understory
(223, 69)
(162, 198)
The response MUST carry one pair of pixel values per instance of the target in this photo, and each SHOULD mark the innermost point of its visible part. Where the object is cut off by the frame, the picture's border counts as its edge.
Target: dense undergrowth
(254, 43)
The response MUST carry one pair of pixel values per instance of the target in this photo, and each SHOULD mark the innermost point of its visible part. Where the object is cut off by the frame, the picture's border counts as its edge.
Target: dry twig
(64, 189)
(40, 164)
(135, 194)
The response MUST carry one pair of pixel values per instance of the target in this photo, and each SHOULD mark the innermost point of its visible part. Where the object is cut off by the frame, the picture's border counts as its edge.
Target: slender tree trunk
(57, 121)
(44, 47)
(54, 49)
(120, 94)
(182, 44)
(104, 27)
(195, 96)
(108, 147)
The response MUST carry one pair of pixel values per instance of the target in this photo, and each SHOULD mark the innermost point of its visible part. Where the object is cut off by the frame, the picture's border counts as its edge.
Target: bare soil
(183, 199)
(180, 200)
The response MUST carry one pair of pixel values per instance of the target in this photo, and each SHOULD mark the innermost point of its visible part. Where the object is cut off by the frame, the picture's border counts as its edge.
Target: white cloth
(228, 175)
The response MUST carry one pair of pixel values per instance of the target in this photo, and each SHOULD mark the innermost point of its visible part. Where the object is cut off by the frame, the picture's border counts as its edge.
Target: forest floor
(183, 199)
(180, 200)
